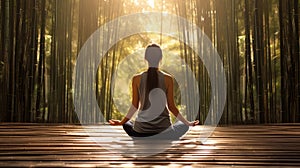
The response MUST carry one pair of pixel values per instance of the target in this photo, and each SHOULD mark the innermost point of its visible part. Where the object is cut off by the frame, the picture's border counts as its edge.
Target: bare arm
(171, 104)
(134, 106)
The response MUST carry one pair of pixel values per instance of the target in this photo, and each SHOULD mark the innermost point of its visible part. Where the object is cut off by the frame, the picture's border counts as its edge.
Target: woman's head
(153, 55)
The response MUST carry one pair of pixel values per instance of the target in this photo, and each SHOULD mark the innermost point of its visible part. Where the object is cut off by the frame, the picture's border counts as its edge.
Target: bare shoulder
(136, 78)
(168, 77)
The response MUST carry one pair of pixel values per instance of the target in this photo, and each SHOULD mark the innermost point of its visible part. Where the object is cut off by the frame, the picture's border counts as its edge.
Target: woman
(152, 94)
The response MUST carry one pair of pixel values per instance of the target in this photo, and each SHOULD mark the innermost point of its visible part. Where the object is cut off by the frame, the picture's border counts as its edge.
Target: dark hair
(153, 55)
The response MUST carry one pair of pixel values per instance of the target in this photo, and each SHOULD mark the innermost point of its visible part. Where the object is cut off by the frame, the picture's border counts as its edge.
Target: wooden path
(34, 145)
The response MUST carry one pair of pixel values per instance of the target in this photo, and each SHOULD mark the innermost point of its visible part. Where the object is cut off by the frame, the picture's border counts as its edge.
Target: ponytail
(152, 79)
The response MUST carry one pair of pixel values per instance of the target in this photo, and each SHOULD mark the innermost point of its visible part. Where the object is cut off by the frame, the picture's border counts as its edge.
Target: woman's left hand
(114, 122)
(194, 123)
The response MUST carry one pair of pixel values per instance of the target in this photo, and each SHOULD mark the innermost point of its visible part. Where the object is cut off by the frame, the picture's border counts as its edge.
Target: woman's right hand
(115, 122)
(194, 123)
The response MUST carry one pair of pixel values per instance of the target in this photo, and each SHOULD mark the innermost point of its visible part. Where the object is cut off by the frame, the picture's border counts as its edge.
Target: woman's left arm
(134, 106)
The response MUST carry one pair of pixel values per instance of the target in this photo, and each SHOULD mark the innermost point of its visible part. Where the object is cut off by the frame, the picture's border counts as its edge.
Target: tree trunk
(5, 114)
(40, 107)
(258, 59)
(248, 66)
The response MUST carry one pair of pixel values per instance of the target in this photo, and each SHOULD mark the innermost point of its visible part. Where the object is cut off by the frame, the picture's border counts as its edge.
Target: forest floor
(58, 145)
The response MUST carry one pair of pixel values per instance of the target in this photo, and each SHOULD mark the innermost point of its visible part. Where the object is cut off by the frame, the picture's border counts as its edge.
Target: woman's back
(153, 116)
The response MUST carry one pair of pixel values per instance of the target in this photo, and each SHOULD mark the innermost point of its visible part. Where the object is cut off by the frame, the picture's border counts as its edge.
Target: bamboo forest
(257, 41)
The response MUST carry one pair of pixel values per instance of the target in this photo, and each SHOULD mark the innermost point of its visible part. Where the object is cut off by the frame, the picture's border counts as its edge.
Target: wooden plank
(53, 145)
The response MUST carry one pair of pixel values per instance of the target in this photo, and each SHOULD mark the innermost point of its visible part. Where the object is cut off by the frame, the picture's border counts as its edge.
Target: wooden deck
(35, 145)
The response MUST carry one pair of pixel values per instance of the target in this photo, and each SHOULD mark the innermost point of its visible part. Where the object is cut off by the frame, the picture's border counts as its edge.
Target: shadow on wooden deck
(36, 145)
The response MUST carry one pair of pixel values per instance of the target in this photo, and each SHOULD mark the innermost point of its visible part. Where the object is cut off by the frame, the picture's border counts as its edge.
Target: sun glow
(151, 3)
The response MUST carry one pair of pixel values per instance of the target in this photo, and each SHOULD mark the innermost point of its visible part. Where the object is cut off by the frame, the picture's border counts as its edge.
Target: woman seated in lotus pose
(152, 97)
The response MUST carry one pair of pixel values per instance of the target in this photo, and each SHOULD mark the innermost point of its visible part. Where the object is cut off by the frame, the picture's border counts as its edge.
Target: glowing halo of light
(90, 56)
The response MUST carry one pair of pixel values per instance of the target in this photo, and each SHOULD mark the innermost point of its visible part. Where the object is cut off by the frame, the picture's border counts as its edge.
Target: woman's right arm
(171, 104)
